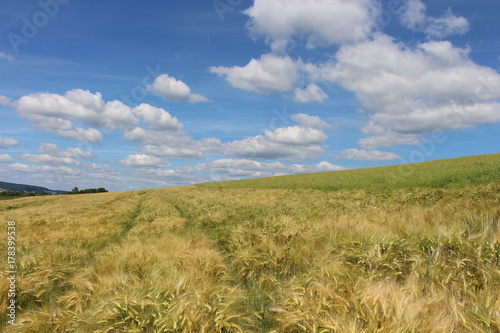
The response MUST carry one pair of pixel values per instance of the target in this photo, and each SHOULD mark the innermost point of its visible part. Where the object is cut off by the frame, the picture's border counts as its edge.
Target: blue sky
(146, 94)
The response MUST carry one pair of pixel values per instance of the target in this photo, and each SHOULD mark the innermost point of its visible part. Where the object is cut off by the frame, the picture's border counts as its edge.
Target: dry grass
(246, 260)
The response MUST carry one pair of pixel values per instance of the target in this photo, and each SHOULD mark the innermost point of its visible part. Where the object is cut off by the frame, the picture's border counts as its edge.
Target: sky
(128, 94)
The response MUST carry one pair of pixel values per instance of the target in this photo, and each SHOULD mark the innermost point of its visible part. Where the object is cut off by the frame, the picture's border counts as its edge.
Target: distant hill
(27, 188)
(450, 173)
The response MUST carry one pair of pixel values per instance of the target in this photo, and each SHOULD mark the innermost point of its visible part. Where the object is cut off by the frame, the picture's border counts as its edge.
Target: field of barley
(375, 250)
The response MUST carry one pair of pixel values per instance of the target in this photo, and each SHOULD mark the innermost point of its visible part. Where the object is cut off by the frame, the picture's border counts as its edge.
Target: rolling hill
(450, 173)
(28, 188)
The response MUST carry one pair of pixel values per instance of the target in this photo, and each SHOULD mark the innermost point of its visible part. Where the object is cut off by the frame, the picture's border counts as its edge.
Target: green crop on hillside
(452, 173)
(194, 259)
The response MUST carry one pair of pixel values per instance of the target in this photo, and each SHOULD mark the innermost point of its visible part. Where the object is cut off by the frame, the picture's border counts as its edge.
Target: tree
(88, 190)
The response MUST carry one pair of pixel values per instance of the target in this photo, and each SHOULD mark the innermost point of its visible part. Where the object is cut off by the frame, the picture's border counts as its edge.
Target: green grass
(451, 173)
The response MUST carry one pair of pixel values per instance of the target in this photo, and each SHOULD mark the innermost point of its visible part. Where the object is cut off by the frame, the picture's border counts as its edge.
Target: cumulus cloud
(415, 18)
(78, 105)
(175, 153)
(312, 93)
(7, 142)
(165, 144)
(99, 168)
(414, 90)
(158, 118)
(57, 114)
(48, 159)
(296, 136)
(260, 148)
(139, 134)
(142, 160)
(320, 22)
(5, 158)
(80, 134)
(245, 168)
(413, 14)
(239, 168)
(366, 155)
(320, 167)
(173, 175)
(389, 138)
(174, 90)
(42, 169)
(292, 143)
(178, 145)
(53, 150)
(307, 121)
(267, 75)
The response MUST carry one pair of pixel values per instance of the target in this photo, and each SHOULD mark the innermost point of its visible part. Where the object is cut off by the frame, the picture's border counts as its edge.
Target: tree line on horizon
(76, 190)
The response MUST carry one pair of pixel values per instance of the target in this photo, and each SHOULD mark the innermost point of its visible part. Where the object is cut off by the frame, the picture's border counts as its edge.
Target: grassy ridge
(451, 173)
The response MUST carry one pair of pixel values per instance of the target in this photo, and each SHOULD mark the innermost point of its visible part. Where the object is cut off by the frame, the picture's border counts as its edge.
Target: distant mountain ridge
(4, 186)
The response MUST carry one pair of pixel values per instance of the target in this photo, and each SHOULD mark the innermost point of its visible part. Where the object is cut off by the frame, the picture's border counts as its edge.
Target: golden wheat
(244, 260)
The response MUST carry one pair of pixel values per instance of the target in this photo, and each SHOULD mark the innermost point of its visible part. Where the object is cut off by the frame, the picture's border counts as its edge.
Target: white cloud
(47, 168)
(99, 168)
(158, 118)
(297, 136)
(414, 17)
(48, 159)
(173, 152)
(414, 90)
(447, 25)
(320, 167)
(53, 150)
(320, 22)
(7, 142)
(307, 121)
(81, 134)
(174, 90)
(142, 160)
(245, 168)
(241, 168)
(258, 148)
(312, 93)
(389, 139)
(79, 105)
(292, 143)
(451, 116)
(4, 100)
(153, 137)
(267, 75)
(208, 144)
(48, 148)
(78, 153)
(5, 158)
(56, 113)
(7, 56)
(366, 155)
(172, 175)
(178, 145)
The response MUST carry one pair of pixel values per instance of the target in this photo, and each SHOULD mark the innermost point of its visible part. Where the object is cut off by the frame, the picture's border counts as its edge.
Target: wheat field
(195, 259)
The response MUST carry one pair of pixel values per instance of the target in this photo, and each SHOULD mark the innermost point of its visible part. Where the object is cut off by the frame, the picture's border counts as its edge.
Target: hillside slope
(27, 188)
(451, 173)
